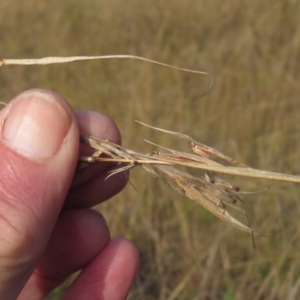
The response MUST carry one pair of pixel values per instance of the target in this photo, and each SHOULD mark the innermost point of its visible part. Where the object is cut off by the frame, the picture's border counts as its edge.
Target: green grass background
(252, 48)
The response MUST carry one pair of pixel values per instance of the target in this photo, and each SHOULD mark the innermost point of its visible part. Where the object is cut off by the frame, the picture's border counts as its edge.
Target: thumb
(39, 148)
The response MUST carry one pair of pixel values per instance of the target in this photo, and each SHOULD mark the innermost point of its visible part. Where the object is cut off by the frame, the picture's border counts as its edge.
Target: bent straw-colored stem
(67, 59)
(59, 60)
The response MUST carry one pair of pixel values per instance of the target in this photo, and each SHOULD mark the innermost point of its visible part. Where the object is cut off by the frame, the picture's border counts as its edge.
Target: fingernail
(35, 124)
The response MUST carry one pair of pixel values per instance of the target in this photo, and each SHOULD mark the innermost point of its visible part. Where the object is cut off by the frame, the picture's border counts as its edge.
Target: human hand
(47, 230)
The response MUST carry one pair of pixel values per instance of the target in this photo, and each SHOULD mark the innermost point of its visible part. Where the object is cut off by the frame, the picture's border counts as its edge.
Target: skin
(47, 229)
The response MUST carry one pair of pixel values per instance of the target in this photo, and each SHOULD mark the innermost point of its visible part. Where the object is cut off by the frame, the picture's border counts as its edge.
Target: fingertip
(128, 250)
(110, 275)
(98, 125)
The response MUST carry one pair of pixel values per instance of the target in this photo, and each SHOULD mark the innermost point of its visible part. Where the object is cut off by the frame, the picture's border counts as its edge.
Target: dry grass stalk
(59, 60)
(208, 190)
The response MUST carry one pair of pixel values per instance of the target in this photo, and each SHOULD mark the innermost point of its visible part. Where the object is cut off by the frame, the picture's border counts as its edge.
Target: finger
(109, 276)
(96, 190)
(98, 125)
(93, 184)
(78, 237)
(39, 150)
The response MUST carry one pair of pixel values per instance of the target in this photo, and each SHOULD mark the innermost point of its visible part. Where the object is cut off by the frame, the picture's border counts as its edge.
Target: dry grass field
(252, 113)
